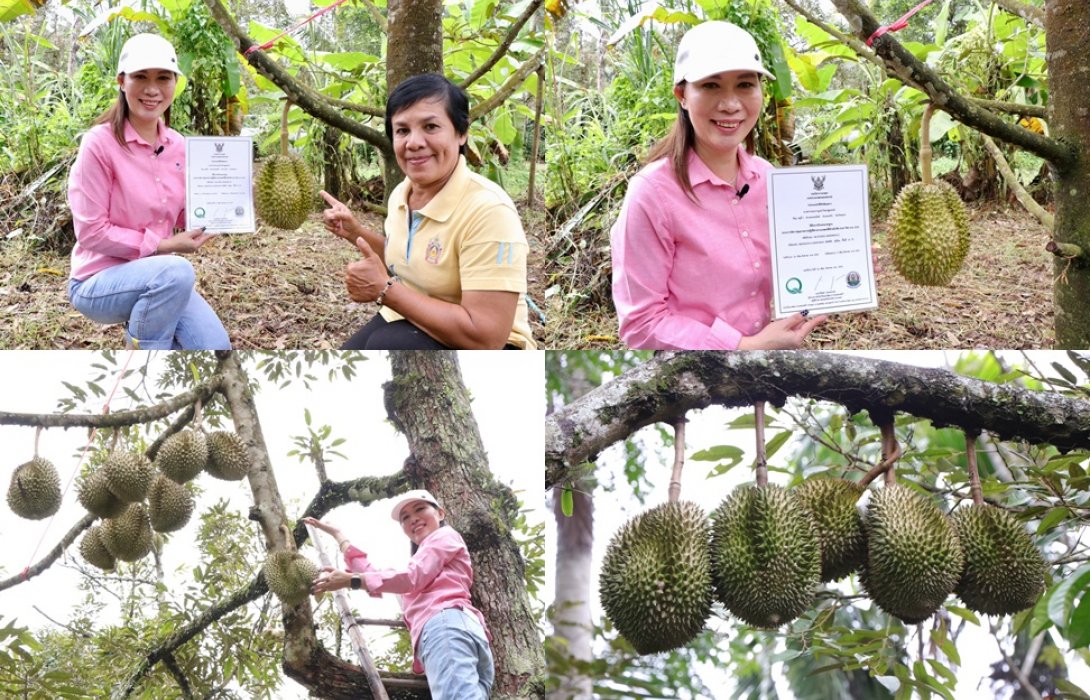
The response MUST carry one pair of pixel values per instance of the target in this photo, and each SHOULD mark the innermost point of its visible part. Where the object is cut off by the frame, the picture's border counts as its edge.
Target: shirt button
(733, 202)
(757, 325)
(157, 179)
(163, 201)
(745, 234)
(756, 265)
(753, 293)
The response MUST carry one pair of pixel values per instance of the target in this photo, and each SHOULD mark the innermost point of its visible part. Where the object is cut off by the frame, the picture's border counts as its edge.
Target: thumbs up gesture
(365, 277)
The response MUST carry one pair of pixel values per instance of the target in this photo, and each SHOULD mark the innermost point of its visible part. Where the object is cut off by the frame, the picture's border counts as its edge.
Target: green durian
(94, 551)
(914, 558)
(128, 475)
(928, 233)
(128, 537)
(766, 560)
(655, 585)
(35, 490)
(289, 576)
(94, 494)
(227, 456)
(831, 504)
(183, 455)
(1004, 572)
(169, 504)
(284, 191)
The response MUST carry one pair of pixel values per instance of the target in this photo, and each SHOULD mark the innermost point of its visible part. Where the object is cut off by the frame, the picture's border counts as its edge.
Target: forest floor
(273, 290)
(1002, 298)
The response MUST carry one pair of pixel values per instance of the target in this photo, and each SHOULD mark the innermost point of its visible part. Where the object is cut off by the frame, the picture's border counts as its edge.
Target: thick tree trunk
(428, 402)
(1067, 25)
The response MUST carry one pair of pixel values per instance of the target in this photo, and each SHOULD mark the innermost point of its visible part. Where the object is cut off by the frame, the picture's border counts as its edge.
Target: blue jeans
(456, 657)
(156, 299)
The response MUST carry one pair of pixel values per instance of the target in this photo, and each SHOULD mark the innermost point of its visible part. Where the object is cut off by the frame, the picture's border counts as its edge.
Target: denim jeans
(456, 657)
(156, 299)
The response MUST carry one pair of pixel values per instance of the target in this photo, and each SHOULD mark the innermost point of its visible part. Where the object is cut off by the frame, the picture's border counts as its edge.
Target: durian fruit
(94, 551)
(35, 490)
(1004, 572)
(128, 537)
(226, 456)
(655, 585)
(284, 190)
(831, 505)
(169, 505)
(183, 455)
(94, 495)
(128, 475)
(914, 558)
(766, 560)
(289, 575)
(928, 225)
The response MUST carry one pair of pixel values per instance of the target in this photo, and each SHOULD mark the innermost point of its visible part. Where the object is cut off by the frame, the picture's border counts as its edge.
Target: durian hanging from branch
(35, 489)
(928, 225)
(284, 189)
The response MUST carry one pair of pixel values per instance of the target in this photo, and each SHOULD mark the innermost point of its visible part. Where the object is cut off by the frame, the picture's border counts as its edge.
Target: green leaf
(963, 613)
(1040, 620)
(348, 60)
(1070, 690)
(1065, 373)
(773, 445)
(714, 454)
(1053, 517)
(567, 502)
(1063, 595)
(1080, 623)
(504, 128)
(233, 76)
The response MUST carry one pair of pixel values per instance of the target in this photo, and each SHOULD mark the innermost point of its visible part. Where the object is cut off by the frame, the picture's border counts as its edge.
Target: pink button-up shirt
(124, 202)
(693, 276)
(438, 577)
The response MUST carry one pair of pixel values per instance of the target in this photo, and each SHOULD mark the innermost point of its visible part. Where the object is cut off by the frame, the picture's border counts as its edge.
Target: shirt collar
(443, 204)
(699, 171)
(133, 137)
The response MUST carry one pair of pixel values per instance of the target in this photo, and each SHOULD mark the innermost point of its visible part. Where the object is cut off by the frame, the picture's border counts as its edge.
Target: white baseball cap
(714, 47)
(145, 51)
(409, 497)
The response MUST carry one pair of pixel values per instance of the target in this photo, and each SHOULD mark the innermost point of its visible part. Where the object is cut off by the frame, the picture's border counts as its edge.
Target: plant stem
(762, 462)
(679, 459)
(925, 143)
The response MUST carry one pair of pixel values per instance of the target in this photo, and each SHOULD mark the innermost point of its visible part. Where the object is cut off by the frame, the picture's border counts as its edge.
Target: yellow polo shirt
(469, 236)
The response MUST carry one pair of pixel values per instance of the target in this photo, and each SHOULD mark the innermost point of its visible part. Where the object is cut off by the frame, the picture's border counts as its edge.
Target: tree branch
(900, 62)
(1023, 197)
(309, 100)
(1034, 15)
(670, 384)
(517, 78)
(146, 414)
(1013, 108)
(501, 50)
(54, 554)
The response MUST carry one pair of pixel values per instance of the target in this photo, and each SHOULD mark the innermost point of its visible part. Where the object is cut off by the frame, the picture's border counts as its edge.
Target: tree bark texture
(428, 402)
(670, 384)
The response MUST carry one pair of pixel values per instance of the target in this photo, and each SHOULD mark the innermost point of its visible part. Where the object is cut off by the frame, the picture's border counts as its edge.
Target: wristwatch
(356, 583)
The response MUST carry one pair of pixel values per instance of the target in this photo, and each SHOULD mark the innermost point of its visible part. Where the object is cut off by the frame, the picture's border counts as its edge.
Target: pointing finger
(330, 199)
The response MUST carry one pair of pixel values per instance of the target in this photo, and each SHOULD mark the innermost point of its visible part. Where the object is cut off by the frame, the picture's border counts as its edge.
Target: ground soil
(273, 290)
(1001, 299)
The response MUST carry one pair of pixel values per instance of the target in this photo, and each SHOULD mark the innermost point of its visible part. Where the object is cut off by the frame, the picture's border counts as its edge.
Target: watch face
(356, 583)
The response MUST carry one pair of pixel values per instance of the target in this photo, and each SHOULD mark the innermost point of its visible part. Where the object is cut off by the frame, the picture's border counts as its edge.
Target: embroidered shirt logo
(434, 251)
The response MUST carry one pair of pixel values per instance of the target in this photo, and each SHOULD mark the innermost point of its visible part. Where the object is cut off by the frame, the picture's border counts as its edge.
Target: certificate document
(219, 183)
(820, 239)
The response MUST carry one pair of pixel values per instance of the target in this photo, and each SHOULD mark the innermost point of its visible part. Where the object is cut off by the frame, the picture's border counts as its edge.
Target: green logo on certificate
(199, 212)
(793, 286)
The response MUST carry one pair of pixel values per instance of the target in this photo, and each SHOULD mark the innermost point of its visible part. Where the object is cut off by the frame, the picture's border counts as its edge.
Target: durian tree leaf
(939, 668)
(1065, 373)
(1039, 620)
(939, 639)
(1064, 593)
(718, 452)
(890, 683)
(1054, 517)
(1070, 690)
(773, 445)
(567, 502)
(1080, 623)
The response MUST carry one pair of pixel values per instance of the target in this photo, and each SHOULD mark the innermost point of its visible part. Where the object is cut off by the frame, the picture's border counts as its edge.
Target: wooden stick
(679, 459)
(762, 461)
(349, 621)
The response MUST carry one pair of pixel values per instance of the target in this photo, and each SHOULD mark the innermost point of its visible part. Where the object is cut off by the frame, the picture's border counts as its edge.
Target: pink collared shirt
(438, 577)
(693, 276)
(124, 202)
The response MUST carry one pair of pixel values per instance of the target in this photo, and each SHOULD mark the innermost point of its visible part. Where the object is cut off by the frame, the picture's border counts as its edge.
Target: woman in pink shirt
(449, 637)
(691, 261)
(127, 192)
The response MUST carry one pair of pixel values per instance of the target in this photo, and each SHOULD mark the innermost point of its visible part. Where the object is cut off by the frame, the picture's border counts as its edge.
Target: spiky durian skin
(169, 505)
(183, 455)
(227, 458)
(655, 585)
(766, 560)
(928, 233)
(128, 537)
(35, 490)
(289, 576)
(914, 558)
(94, 495)
(284, 191)
(94, 551)
(831, 505)
(128, 476)
(1004, 572)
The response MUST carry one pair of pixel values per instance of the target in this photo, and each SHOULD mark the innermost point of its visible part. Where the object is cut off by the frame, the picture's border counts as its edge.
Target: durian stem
(891, 452)
(113, 441)
(284, 128)
(974, 473)
(925, 143)
(37, 436)
(197, 414)
(762, 461)
(679, 459)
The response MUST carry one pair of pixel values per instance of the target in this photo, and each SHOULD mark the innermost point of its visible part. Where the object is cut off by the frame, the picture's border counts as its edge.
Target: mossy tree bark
(428, 402)
(670, 384)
